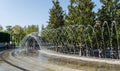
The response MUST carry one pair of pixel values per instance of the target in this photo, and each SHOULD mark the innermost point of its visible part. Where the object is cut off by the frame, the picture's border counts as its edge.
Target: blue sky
(27, 12)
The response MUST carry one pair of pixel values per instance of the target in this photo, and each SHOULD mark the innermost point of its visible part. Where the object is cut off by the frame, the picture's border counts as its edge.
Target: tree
(42, 28)
(1, 28)
(31, 28)
(80, 12)
(9, 30)
(56, 18)
(18, 34)
(109, 11)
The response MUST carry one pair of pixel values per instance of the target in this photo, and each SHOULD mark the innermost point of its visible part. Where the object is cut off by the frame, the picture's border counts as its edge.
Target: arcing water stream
(63, 49)
(44, 60)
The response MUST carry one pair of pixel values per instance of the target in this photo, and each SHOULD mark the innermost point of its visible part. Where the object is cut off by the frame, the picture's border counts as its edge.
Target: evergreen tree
(42, 28)
(56, 18)
(109, 11)
(80, 12)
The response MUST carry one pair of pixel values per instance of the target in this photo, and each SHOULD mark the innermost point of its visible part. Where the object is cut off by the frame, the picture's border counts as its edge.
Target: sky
(28, 12)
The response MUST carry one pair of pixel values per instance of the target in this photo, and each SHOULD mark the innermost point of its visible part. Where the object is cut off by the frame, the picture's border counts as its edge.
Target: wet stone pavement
(29, 62)
(35, 61)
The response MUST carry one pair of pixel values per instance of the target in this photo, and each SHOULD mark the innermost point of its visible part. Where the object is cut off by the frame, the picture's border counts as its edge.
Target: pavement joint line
(1, 55)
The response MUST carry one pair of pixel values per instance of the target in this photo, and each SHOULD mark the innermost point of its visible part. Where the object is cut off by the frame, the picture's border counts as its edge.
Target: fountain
(78, 46)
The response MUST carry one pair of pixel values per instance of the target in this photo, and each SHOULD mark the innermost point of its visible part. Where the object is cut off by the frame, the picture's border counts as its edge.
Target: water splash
(98, 40)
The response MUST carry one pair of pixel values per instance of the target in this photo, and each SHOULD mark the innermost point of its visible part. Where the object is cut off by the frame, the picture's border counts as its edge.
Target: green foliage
(31, 28)
(18, 34)
(42, 27)
(56, 18)
(9, 29)
(110, 11)
(80, 12)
